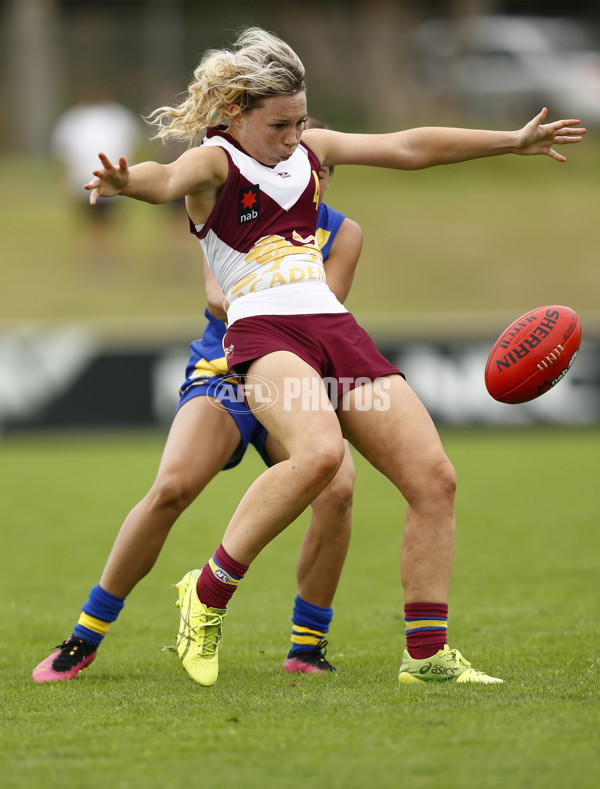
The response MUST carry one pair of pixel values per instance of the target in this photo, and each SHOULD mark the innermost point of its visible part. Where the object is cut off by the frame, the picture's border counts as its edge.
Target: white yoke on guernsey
(259, 239)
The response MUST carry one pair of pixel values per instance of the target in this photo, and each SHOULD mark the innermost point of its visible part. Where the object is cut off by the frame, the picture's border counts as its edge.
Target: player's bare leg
(313, 441)
(182, 474)
(399, 438)
(184, 471)
(325, 544)
(320, 562)
(402, 442)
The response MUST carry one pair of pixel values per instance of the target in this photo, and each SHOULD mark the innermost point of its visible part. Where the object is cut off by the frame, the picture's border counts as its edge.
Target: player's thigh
(391, 428)
(299, 416)
(202, 438)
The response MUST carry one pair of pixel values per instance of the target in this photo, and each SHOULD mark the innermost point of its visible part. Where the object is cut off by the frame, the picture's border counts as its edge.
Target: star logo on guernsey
(248, 204)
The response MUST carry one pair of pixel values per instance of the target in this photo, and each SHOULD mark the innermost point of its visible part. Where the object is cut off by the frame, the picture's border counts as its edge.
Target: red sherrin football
(533, 354)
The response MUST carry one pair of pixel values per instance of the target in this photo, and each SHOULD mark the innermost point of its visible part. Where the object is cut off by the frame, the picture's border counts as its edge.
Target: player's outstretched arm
(427, 146)
(197, 170)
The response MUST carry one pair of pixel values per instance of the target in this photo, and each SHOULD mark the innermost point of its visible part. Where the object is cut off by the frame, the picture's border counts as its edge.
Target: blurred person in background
(210, 432)
(95, 122)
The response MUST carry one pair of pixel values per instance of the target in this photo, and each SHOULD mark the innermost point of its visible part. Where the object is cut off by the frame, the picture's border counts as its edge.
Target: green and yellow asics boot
(447, 665)
(199, 632)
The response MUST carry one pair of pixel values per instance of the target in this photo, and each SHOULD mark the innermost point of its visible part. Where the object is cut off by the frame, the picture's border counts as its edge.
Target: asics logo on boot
(437, 670)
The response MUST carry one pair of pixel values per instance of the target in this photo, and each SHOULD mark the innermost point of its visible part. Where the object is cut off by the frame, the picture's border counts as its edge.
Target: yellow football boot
(447, 665)
(199, 632)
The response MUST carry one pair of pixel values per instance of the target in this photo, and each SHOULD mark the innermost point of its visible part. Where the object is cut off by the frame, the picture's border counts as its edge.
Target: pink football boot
(69, 659)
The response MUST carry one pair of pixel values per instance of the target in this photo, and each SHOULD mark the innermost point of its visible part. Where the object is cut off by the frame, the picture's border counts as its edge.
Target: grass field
(524, 605)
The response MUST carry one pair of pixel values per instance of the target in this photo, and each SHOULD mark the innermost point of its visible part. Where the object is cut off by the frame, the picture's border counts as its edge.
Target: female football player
(211, 431)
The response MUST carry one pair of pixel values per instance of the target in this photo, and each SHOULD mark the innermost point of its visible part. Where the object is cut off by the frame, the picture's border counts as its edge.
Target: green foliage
(524, 605)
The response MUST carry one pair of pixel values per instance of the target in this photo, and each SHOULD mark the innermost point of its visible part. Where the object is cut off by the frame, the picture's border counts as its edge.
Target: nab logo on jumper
(248, 204)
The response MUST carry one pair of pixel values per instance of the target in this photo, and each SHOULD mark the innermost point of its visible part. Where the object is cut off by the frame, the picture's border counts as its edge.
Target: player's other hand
(539, 138)
(109, 180)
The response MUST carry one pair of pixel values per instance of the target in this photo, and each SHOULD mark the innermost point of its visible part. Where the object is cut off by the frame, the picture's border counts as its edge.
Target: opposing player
(210, 432)
(252, 191)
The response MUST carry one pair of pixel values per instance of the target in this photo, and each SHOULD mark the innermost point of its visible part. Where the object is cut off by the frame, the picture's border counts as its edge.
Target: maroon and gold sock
(426, 626)
(219, 579)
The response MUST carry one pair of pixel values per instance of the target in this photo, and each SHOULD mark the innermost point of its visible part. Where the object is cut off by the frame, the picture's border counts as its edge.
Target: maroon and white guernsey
(260, 235)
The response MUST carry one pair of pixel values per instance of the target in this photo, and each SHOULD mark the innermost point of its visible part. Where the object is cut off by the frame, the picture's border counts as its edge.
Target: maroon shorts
(333, 344)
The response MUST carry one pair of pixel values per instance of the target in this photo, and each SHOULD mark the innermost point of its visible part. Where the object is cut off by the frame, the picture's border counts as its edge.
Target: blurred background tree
(356, 52)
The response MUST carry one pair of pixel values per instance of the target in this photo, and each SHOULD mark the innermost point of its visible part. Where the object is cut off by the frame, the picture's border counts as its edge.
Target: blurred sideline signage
(67, 377)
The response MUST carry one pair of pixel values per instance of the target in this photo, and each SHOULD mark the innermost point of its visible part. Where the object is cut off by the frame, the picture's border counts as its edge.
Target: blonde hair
(260, 65)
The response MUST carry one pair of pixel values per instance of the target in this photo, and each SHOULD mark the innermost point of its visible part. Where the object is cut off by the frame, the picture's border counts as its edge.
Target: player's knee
(340, 491)
(331, 456)
(324, 459)
(444, 479)
(433, 485)
(172, 493)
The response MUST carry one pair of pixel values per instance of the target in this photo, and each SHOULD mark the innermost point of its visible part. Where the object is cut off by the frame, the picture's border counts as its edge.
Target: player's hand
(108, 181)
(539, 138)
